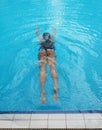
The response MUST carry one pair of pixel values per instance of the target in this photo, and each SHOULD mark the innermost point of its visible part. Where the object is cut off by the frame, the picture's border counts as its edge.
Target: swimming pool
(78, 49)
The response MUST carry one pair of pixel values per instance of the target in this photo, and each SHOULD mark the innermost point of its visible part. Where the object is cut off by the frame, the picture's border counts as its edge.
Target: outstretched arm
(54, 33)
(38, 34)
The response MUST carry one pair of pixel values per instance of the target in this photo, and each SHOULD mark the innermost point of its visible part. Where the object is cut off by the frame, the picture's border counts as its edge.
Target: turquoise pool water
(78, 49)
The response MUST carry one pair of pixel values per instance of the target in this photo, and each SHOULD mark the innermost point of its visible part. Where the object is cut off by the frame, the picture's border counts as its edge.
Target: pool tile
(39, 116)
(5, 124)
(22, 116)
(56, 116)
(93, 123)
(6, 116)
(74, 116)
(56, 124)
(93, 116)
(20, 124)
(75, 124)
(38, 124)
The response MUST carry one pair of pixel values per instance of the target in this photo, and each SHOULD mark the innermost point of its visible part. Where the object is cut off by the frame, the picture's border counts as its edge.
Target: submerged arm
(38, 34)
(54, 33)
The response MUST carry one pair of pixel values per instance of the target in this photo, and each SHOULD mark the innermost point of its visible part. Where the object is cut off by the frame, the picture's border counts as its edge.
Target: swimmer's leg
(54, 76)
(42, 81)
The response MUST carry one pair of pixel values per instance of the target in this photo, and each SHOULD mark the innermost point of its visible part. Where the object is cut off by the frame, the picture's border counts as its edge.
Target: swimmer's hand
(55, 28)
(54, 33)
(38, 34)
(37, 29)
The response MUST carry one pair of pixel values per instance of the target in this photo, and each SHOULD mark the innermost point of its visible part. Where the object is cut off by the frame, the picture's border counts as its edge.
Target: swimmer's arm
(54, 33)
(38, 34)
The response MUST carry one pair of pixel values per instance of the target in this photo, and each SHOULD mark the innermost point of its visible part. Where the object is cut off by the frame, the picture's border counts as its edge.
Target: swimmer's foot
(43, 98)
(56, 93)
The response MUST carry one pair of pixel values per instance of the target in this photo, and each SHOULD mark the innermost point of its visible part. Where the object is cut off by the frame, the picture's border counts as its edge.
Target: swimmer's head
(46, 36)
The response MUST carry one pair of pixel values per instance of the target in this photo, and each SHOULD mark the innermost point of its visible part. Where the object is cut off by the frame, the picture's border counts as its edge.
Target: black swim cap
(46, 35)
